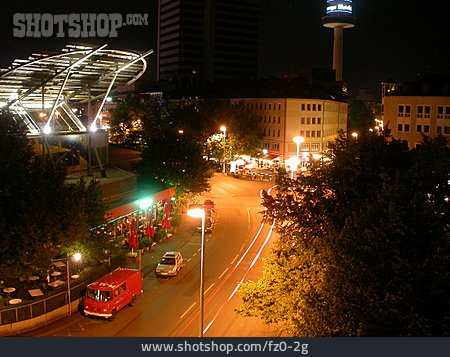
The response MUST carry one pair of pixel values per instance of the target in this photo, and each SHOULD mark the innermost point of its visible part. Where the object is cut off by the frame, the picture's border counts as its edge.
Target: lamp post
(77, 257)
(198, 211)
(224, 129)
(298, 140)
(355, 135)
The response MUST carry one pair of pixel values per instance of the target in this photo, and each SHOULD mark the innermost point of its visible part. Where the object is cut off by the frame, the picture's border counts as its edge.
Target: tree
(361, 117)
(173, 151)
(39, 213)
(364, 244)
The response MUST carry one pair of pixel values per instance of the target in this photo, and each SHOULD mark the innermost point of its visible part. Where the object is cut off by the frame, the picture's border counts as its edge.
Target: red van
(105, 297)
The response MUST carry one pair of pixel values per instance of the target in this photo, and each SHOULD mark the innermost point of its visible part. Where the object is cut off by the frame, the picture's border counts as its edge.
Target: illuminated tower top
(339, 14)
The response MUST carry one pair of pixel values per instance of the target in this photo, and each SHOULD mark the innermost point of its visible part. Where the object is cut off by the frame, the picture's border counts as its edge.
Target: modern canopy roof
(51, 83)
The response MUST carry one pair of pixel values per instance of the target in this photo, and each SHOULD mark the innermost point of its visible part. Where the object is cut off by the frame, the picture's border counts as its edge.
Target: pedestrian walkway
(149, 259)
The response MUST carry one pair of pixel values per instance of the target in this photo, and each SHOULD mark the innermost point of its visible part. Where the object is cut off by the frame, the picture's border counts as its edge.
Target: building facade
(207, 39)
(416, 109)
(318, 121)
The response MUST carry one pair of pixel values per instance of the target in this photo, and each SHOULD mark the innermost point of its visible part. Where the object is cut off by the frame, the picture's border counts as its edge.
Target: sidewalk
(150, 259)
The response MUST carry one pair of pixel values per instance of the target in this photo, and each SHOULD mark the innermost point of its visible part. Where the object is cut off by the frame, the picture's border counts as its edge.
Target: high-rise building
(207, 39)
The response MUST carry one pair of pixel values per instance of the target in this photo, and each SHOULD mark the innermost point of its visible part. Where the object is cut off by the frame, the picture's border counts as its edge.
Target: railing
(40, 307)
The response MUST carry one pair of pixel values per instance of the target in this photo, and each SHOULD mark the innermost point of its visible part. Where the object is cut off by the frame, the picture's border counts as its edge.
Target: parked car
(209, 225)
(208, 204)
(106, 296)
(170, 264)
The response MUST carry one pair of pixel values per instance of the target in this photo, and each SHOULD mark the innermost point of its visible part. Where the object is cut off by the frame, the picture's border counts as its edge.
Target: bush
(146, 242)
(176, 220)
(161, 234)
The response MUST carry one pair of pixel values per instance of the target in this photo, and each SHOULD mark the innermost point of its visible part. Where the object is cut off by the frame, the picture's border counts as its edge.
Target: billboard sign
(343, 7)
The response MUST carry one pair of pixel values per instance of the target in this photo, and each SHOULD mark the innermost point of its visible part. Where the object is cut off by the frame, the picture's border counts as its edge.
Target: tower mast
(338, 16)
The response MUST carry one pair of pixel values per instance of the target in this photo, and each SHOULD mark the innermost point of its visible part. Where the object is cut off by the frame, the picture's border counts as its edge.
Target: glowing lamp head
(196, 211)
(145, 203)
(47, 129)
(93, 127)
(299, 139)
(77, 257)
(223, 128)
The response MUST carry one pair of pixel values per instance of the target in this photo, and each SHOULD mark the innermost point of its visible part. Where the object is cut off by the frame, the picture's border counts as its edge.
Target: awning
(132, 206)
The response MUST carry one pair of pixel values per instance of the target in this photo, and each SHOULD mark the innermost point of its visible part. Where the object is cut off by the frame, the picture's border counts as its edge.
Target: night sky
(402, 39)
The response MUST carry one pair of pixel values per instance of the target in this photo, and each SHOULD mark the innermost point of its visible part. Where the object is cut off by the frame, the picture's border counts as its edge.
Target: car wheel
(113, 315)
(133, 300)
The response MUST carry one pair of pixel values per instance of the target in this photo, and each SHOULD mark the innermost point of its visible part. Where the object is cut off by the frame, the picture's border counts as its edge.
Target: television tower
(338, 16)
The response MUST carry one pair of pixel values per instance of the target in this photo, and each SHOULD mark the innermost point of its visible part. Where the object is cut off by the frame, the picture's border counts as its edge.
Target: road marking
(194, 254)
(221, 275)
(234, 259)
(184, 314)
(209, 288)
(188, 260)
(243, 278)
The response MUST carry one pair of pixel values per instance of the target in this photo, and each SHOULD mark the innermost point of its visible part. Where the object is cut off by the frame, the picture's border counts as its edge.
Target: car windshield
(168, 260)
(99, 295)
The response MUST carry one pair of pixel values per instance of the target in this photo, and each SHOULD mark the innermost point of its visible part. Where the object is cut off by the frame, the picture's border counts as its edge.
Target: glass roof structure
(44, 89)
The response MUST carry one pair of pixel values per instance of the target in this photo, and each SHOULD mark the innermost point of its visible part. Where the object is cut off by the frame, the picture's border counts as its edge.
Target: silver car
(170, 264)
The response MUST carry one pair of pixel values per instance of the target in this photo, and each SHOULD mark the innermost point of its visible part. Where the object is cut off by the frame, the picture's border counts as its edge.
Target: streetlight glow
(77, 257)
(145, 203)
(297, 140)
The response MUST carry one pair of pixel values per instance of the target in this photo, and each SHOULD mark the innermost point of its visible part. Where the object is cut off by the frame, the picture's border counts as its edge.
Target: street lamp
(298, 140)
(76, 257)
(355, 135)
(198, 211)
(224, 129)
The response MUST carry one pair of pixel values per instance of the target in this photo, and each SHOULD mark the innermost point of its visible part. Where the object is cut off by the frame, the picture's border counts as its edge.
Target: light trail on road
(263, 222)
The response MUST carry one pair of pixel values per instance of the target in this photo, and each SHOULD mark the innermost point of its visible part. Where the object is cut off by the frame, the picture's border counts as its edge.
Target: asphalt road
(170, 307)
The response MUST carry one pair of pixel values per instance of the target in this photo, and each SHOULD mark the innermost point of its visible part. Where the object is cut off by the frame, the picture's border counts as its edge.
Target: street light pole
(69, 298)
(202, 275)
(298, 140)
(198, 211)
(77, 257)
(224, 129)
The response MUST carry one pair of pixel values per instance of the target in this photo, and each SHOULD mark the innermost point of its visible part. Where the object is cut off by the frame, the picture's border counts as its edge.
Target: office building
(207, 39)
(412, 110)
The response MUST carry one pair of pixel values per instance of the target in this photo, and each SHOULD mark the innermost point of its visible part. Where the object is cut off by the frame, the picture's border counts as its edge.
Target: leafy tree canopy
(363, 245)
(177, 150)
(360, 117)
(39, 213)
